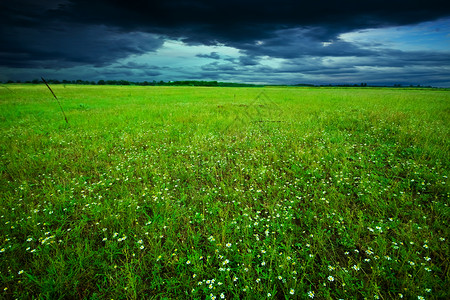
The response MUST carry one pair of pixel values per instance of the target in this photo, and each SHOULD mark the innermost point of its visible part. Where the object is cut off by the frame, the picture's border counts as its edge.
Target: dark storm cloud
(30, 36)
(207, 21)
(293, 43)
(57, 34)
(248, 60)
(66, 46)
(58, 29)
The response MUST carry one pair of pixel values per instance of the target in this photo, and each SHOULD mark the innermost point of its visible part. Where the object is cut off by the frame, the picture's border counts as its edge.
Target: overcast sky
(265, 41)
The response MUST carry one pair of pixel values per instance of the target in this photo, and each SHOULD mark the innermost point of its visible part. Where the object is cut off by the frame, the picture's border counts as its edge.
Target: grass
(211, 193)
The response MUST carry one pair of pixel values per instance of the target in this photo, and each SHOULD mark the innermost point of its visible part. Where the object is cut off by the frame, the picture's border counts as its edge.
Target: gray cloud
(212, 55)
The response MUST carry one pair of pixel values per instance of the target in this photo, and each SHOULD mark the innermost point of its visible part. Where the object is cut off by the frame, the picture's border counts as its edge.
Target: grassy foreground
(224, 193)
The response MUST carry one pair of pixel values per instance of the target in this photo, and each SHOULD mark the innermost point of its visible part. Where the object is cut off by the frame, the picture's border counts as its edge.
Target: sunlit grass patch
(157, 195)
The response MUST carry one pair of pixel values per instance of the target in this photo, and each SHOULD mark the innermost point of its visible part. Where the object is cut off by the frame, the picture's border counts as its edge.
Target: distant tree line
(143, 83)
(199, 83)
(363, 84)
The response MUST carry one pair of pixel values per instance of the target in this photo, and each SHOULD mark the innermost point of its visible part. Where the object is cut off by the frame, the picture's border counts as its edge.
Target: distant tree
(101, 82)
(35, 81)
(123, 82)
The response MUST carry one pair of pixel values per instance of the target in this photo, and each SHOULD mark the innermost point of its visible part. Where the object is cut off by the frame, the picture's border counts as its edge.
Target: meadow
(224, 193)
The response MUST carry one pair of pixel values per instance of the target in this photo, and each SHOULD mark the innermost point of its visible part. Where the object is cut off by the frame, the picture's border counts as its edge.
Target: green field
(213, 193)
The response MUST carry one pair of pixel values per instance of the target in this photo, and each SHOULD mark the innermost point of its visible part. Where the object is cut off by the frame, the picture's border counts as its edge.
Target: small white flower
(311, 294)
(292, 291)
(330, 278)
